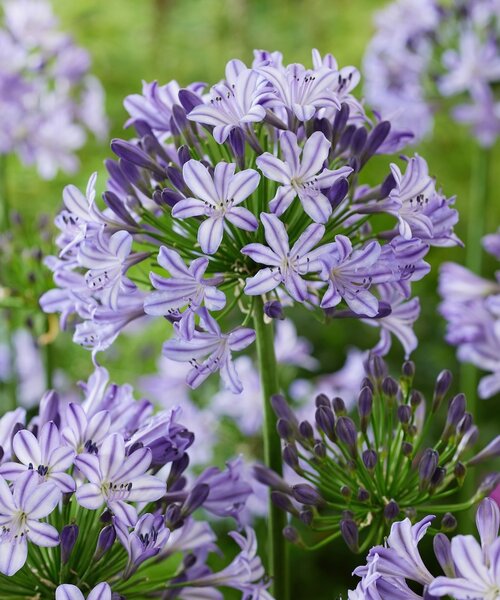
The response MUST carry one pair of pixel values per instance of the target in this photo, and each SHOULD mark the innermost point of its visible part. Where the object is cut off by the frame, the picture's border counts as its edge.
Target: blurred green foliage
(191, 40)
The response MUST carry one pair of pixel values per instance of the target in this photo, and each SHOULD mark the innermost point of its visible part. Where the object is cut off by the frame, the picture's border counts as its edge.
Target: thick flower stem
(268, 369)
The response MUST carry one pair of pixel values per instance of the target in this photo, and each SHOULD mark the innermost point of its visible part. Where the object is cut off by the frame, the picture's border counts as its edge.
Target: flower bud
(184, 154)
(365, 402)
(237, 143)
(350, 533)
(346, 433)
(285, 430)
(338, 192)
(488, 484)
(283, 502)
(369, 459)
(376, 138)
(442, 550)
(291, 457)
(460, 471)
(320, 449)
(456, 412)
(339, 406)
(106, 539)
(437, 478)
(273, 309)
(306, 494)
(465, 424)
(406, 448)
(69, 534)
(390, 387)
(339, 123)
(173, 517)
(391, 510)
(346, 492)
(363, 495)
(282, 409)
(416, 398)
(448, 522)
(291, 534)
(359, 140)
(195, 499)
(366, 382)
(322, 400)
(387, 186)
(492, 450)
(443, 383)
(189, 100)
(408, 369)
(306, 430)
(427, 466)
(306, 516)
(404, 413)
(325, 420)
(268, 477)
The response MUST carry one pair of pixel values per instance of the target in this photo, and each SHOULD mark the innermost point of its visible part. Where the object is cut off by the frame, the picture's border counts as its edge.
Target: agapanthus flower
(423, 51)
(471, 568)
(49, 97)
(471, 307)
(128, 508)
(250, 195)
(355, 475)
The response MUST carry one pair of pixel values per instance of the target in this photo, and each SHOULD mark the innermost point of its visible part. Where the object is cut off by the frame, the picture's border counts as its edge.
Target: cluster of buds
(359, 475)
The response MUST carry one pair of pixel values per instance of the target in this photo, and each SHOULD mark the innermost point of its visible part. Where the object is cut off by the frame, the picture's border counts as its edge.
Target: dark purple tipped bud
(177, 469)
(391, 510)
(179, 116)
(350, 533)
(183, 154)
(291, 534)
(237, 143)
(283, 502)
(442, 550)
(416, 398)
(354, 163)
(390, 387)
(437, 478)
(320, 449)
(460, 471)
(306, 517)
(408, 369)
(456, 410)
(346, 137)
(346, 432)
(448, 523)
(173, 517)
(69, 534)
(106, 516)
(274, 310)
(347, 515)
(291, 457)
(358, 140)
(387, 186)
(174, 130)
(136, 156)
(105, 540)
(325, 421)
(306, 430)
(195, 499)
(346, 492)
(376, 138)
(285, 430)
(443, 383)
(426, 467)
(366, 382)
(369, 459)
(339, 122)
(404, 413)
(306, 494)
(339, 406)
(268, 477)
(282, 409)
(338, 192)
(377, 367)
(322, 400)
(406, 448)
(169, 197)
(365, 402)
(175, 177)
(189, 100)
(363, 495)
(465, 424)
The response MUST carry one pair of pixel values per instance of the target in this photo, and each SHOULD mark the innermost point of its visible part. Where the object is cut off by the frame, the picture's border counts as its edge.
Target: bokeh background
(191, 40)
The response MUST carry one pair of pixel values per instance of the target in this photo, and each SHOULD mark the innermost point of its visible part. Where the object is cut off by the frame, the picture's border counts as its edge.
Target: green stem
(268, 369)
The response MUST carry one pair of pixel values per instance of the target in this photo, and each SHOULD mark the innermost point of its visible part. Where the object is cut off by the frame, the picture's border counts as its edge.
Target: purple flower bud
(237, 143)
(135, 155)
(195, 499)
(306, 430)
(173, 518)
(338, 192)
(179, 116)
(376, 138)
(448, 522)
(268, 477)
(365, 402)
(322, 400)
(359, 140)
(69, 534)
(406, 448)
(437, 478)
(404, 413)
(390, 387)
(189, 100)
(346, 432)
(416, 398)
(339, 406)
(306, 516)
(175, 177)
(184, 154)
(489, 483)
(320, 449)
(363, 495)
(387, 186)
(339, 123)
(456, 410)
(291, 457)
(366, 382)
(306, 494)
(408, 369)
(391, 510)
(369, 459)
(291, 534)
(350, 533)
(174, 130)
(325, 421)
(460, 471)
(465, 424)
(376, 368)
(443, 383)
(106, 516)
(426, 466)
(273, 309)
(282, 409)
(285, 430)
(106, 539)
(283, 502)
(346, 137)
(442, 550)
(492, 450)
(49, 409)
(170, 197)
(346, 491)
(325, 126)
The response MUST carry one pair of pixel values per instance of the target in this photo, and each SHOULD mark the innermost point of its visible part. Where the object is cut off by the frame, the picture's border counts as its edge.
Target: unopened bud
(391, 510)
(427, 466)
(442, 550)
(106, 539)
(390, 387)
(404, 413)
(285, 430)
(195, 499)
(369, 459)
(408, 369)
(363, 495)
(448, 523)
(306, 494)
(339, 406)
(291, 457)
(443, 383)
(346, 432)
(460, 471)
(346, 492)
(291, 534)
(306, 430)
(306, 517)
(283, 502)
(69, 534)
(325, 420)
(274, 310)
(350, 533)
(406, 448)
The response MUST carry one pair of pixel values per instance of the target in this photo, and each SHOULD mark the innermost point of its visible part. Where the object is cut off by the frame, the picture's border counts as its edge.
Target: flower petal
(276, 235)
(68, 592)
(242, 218)
(242, 185)
(210, 234)
(314, 155)
(190, 207)
(26, 448)
(263, 281)
(199, 181)
(13, 555)
(42, 534)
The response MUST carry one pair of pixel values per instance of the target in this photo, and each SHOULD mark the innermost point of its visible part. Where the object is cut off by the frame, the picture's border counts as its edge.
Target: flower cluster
(471, 307)
(48, 96)
(428, 53)
(471, 569)
(357, 478)
(95, 493)
(248, 194)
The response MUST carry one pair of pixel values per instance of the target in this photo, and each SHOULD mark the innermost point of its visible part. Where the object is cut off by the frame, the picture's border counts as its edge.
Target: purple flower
(217, 198)
(20, 514)
(7, 423)
(146, 540)
(350, 273)
(235, 103)
(46, 456)
(67, 591)
(84, 433)
(477, 566)
(214, 347)
(287, 265)
(483, 115)
(303, 178)
(186, 287)
(116, 479)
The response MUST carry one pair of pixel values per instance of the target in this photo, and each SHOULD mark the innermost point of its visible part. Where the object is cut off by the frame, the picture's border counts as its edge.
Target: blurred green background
(191, 40)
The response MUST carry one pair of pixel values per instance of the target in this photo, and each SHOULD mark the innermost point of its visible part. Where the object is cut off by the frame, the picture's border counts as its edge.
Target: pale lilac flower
(214, 347)
(46, 456)
(20, 514)
(185, 288)
(67, 591)
(7, 423)
(116, 479)
(84, 433)
(287, 265)
(302, 174)
(483, 115)
(233, 104)
(350, 274)
(217, 198)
